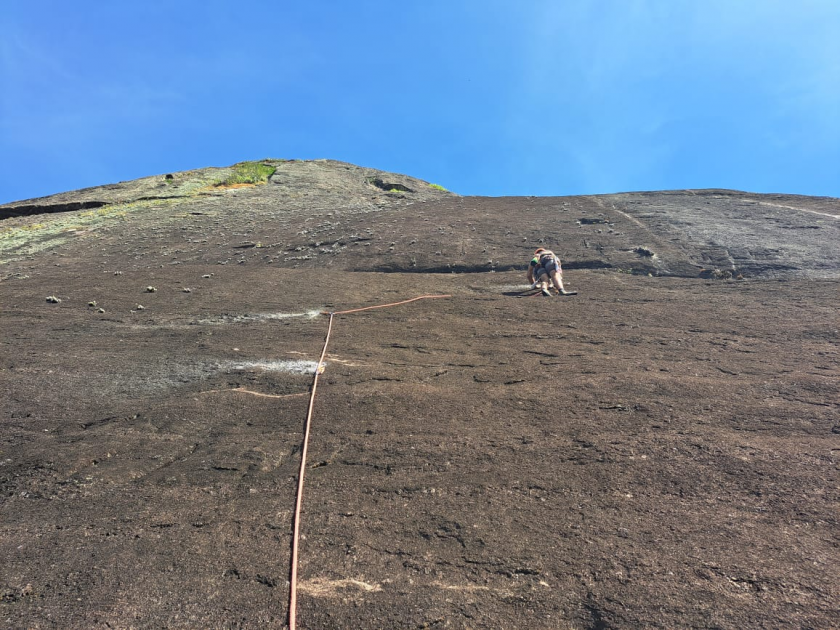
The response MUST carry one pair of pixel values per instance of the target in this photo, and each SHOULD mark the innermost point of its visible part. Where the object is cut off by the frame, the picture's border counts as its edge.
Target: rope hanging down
(307, 424)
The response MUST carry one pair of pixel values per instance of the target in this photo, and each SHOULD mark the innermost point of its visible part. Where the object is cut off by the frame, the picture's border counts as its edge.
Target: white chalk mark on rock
(324, 587)
(258, 317)
(297, 366)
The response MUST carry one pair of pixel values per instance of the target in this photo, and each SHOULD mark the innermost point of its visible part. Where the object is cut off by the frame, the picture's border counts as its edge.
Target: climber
(544, 270)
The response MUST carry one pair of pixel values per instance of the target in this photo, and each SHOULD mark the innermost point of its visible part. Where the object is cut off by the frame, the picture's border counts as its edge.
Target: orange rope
(369, 308)
(299, 500)
(308, 423)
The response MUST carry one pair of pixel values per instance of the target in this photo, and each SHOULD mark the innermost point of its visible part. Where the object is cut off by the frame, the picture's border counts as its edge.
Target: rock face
(319, 212)
(660, 450)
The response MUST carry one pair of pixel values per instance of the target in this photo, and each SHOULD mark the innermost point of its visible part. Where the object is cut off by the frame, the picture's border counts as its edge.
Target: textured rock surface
(660, 450)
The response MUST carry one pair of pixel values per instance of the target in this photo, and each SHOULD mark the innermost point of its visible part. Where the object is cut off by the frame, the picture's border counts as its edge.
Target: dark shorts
(548, 268)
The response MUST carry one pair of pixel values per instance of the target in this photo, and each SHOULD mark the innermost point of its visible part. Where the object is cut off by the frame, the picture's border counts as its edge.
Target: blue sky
(542, 97)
